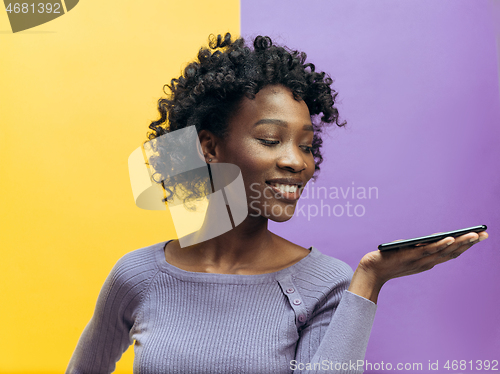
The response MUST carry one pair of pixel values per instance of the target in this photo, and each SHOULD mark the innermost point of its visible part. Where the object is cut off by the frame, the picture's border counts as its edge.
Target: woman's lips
(285, 191)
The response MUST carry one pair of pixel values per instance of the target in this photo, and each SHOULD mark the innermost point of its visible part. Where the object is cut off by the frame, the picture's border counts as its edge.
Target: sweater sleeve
(335, 337)
(108, 333)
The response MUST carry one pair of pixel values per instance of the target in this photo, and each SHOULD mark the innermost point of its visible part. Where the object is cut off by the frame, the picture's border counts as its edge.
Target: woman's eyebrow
(280, 123)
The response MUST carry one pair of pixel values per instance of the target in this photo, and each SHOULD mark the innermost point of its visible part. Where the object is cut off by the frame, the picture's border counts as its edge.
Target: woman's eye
(269, 142)
(306, 148)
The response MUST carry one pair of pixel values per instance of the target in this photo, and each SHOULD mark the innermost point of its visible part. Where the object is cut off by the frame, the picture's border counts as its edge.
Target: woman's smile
(286, 189)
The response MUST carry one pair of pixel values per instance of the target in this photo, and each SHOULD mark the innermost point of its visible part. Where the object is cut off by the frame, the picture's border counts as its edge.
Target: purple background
(418, 84)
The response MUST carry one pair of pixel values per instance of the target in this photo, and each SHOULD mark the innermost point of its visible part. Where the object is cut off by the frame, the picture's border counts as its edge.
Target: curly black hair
(211, 87)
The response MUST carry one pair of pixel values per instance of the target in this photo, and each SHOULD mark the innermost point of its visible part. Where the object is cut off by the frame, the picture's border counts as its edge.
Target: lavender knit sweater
(297, 320)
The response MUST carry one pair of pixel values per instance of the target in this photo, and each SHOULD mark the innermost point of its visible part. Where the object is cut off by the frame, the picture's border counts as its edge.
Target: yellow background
(76, 97)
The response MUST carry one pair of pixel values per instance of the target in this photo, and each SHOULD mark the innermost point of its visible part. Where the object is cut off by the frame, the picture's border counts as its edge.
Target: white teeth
(285, 187)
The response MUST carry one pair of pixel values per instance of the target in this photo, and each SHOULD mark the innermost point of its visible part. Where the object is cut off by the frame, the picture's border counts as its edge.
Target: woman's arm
(334, 337)
(107, 334)
(343, 345)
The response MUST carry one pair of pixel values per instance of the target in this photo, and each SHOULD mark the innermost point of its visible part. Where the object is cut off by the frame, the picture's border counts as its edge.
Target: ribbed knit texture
(297, 320)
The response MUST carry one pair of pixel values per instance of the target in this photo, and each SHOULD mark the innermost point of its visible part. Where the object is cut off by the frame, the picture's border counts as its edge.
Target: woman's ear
(208, 144)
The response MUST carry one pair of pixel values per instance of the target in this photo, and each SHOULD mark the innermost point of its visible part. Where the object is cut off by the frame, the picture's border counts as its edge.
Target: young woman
(247, 300)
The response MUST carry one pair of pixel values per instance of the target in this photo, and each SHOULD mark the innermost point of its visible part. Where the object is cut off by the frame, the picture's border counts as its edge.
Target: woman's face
(269, 139)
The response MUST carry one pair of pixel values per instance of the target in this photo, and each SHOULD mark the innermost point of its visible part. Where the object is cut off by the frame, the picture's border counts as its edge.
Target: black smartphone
(429, 239)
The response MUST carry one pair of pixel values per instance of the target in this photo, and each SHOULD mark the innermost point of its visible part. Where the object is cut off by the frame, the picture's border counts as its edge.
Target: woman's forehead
(273, 103)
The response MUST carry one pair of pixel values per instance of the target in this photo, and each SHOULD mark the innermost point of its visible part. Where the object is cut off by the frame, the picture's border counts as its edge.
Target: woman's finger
(483, 235)
(432, 248)
(462, 243)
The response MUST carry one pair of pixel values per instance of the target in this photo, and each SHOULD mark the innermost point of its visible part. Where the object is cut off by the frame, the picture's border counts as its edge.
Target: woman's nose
(292, 159)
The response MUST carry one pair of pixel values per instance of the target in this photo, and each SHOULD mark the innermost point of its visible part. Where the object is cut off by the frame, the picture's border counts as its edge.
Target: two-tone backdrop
(418, 85)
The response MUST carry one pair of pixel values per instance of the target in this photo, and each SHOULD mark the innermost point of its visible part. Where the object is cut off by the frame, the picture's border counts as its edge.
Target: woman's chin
(273, 212)
(281, 217)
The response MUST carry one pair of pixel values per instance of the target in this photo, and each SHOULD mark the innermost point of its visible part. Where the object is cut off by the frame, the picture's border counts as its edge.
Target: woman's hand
(377, 267)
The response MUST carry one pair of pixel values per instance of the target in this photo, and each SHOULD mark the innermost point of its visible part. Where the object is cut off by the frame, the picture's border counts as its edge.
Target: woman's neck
(219, 247)
(245, 247)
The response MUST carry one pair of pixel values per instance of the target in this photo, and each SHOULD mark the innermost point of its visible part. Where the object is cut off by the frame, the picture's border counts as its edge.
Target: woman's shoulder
(331, 264)
(322, 272)
(136, 266)
(313, 264)
(143, 255)
(321, 280)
